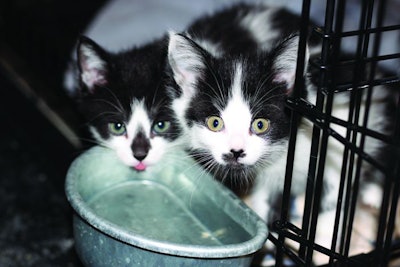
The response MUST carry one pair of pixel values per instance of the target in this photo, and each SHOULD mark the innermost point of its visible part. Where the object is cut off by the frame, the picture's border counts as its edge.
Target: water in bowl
(150, 209)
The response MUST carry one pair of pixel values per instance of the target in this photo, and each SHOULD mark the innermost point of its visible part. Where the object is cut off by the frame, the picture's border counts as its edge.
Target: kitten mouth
(233, 162)
(235, 165)
(234, 157)
(140, 167)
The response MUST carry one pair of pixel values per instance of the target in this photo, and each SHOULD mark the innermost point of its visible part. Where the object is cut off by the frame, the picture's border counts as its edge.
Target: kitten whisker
(119, 104)
(89, 140)
(220, 87)
(163, 102)
(118, 109)
(261, 83)
(261, 97)
(110, 113)
(261, 104)
(217, 97)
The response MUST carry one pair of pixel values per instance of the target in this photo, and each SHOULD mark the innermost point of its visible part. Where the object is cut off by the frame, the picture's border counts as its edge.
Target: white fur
(286, 63)
(122, 144)
(92, 67)
(270, 176)
(183, 61)
(270, 179)
(259, 26)
(186, 63)
(235, 135)
(212, 48)
(372, 196)
(93, 61)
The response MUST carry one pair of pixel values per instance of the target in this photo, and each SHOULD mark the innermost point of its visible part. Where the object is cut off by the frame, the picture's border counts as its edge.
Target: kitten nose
(140, 146)
(233, 156)
(140, 155)
(237, 153)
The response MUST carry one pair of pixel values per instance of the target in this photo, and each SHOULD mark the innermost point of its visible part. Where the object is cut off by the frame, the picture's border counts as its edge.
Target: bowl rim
(83, 210)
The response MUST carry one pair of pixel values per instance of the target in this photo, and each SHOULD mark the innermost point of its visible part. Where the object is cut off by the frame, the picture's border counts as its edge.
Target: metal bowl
(173, 214)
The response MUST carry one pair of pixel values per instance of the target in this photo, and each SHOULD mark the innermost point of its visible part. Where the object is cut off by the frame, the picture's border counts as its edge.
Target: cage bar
(367, 77)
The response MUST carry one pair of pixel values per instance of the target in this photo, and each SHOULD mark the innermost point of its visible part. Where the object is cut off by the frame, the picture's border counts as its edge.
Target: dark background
(36, 39)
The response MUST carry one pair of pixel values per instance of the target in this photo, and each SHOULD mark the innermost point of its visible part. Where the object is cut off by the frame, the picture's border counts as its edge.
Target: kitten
(123, 96)
(233, 110)
(235, 31)
(224, 38)
(124, 101)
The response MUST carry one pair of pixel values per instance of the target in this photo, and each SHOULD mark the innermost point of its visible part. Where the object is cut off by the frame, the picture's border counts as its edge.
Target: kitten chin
(238, 177)
(123, 99)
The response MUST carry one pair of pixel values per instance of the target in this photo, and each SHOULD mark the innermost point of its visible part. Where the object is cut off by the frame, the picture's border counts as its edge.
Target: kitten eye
(260, 126)
(215, 123)
(161, 127)
(117, 128)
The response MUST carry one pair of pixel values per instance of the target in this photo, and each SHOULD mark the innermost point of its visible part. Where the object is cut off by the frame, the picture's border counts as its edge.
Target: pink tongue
(140, 167)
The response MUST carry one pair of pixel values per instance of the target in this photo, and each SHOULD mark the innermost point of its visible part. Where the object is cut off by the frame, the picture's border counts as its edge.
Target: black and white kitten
(123, 96)
(215, 49)
(124, 101)
(233, 111)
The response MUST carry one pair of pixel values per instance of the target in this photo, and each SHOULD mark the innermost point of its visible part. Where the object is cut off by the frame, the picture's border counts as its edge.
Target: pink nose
(237, 143)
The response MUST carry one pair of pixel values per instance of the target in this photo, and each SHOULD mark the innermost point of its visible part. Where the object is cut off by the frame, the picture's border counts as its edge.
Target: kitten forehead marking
(139, 120)
(236, 115)
(259, 27)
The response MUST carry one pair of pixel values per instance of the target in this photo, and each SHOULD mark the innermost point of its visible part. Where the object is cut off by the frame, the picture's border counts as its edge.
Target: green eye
(260, 126)
(215, 123)
(117, 128)
(161, 127)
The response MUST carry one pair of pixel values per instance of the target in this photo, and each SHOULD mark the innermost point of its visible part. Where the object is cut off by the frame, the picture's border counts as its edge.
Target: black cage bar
(366, 62)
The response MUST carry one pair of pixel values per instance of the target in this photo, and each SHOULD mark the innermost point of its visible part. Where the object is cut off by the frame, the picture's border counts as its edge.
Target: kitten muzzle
(140, 147)
(233, 157)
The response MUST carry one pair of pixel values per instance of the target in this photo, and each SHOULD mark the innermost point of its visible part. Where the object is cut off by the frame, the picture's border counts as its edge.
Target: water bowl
(172, 214)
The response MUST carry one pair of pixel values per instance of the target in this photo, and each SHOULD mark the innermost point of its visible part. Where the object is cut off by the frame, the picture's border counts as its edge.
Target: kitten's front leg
(260, 201)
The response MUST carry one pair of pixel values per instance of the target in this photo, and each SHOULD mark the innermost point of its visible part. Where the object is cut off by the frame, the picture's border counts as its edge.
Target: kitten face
(124, 102)
(233, 109)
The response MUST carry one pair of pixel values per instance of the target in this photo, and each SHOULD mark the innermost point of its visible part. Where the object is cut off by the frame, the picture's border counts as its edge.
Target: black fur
(138, 73)
(224, 27)
(258, 75)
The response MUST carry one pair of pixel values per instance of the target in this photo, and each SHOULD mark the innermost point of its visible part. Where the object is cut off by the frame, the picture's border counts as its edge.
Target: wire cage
(366, 65)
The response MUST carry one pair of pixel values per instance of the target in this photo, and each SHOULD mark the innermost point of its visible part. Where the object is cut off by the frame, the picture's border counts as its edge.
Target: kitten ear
(285, 61)
(186, 60)
(93, 68)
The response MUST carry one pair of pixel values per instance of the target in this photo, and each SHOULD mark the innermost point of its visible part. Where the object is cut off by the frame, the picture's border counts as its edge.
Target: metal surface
(167, 214)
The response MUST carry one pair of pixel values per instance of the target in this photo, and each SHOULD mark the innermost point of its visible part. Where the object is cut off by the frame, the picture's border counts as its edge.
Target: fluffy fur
(224, 99)
(125, 103)
(240, 91)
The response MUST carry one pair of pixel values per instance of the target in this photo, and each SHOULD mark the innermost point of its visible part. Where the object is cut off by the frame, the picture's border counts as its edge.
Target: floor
(35, 221)
(35, 217)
